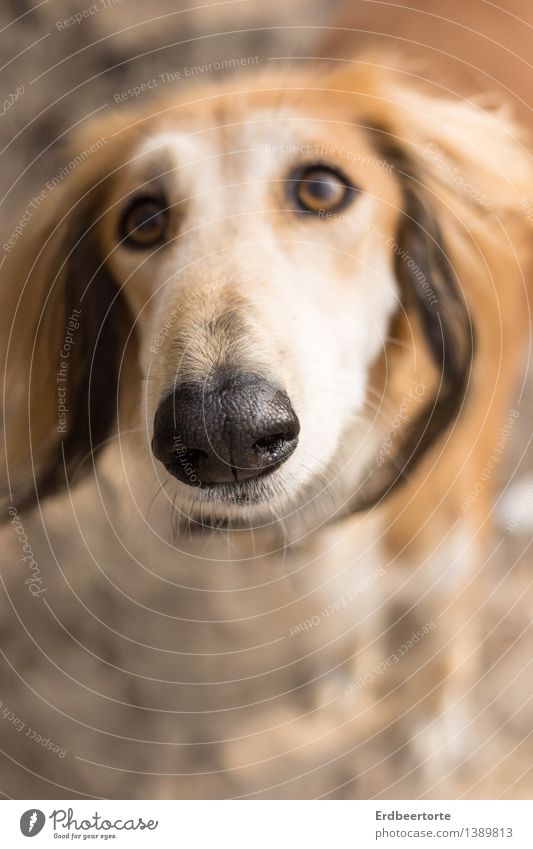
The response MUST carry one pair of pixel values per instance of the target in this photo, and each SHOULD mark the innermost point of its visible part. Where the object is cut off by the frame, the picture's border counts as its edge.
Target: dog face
(279, 271)
(262, 295)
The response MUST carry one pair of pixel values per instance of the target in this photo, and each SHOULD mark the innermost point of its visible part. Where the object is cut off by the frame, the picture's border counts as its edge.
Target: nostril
(273, 445)
(268, 442)
(191, 455)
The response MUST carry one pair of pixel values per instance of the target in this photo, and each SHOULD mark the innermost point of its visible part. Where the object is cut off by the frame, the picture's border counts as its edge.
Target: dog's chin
(242, 504)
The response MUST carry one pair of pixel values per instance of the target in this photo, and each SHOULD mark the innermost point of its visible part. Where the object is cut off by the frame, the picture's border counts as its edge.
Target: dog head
(275, 287)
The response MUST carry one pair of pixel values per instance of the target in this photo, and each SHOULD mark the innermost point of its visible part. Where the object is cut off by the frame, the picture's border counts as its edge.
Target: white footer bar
(268, 824)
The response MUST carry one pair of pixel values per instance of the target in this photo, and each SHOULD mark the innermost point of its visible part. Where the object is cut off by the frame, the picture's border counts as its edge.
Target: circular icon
(32, 822)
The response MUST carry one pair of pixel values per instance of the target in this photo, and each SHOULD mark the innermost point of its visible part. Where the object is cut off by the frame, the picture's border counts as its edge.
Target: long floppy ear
(65, 326)
(459, 257)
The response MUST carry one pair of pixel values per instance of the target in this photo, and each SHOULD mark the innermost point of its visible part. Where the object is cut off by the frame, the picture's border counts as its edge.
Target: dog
(260, 343)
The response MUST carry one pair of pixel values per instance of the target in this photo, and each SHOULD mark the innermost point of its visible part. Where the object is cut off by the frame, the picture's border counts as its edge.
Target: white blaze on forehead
(186, 147)
(256, 145)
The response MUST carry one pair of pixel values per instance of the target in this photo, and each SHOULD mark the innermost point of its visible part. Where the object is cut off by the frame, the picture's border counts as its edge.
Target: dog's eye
(319, 188)
(144, 223)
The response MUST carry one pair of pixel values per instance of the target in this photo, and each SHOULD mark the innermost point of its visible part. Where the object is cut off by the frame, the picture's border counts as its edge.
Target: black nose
(235, 429)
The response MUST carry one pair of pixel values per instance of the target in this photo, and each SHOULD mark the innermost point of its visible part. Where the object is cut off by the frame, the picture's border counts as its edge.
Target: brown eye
(319, 188)
(144, 223)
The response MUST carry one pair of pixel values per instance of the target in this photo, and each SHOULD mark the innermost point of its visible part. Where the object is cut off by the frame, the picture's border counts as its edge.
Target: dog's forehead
(266, 135)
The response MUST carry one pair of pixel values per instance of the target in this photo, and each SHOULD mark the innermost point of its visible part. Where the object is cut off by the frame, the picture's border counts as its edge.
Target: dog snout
(233, 430)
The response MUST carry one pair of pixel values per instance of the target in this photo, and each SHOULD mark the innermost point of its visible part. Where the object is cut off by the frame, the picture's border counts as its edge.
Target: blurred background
(64, 61)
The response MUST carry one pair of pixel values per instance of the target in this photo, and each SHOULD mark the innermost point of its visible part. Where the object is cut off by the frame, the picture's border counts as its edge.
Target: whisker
(157, 492)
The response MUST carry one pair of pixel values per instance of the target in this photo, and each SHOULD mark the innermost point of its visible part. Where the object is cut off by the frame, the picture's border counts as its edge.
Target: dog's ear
(459, 254)
(434, 301)
(65, 328)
